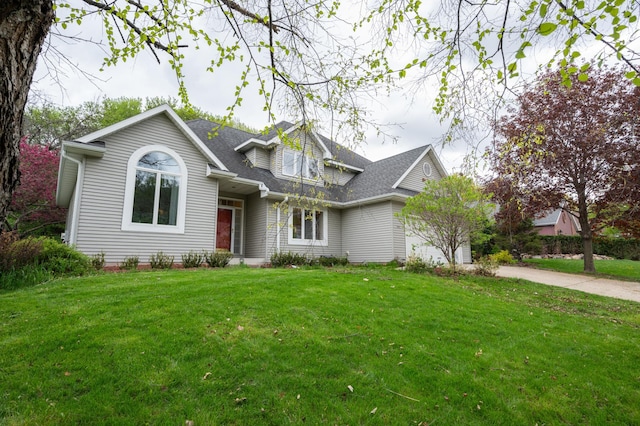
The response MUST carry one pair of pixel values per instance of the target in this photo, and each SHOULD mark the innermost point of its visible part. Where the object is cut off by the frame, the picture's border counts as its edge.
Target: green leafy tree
(447, 214)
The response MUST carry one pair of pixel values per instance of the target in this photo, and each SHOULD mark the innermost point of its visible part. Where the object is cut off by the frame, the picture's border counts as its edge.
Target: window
(295, 163)
(307, 226)
(155, 193)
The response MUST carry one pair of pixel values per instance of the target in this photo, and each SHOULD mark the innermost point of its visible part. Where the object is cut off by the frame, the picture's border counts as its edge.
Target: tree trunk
(585, 232)
(24, 25)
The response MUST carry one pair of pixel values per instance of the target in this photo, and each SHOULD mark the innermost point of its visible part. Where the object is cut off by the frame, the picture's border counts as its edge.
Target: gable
(426, 166)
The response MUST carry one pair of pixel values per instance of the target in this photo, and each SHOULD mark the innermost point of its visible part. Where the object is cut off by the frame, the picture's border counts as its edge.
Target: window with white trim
(308, 226)
(155, 193)
(295, 163)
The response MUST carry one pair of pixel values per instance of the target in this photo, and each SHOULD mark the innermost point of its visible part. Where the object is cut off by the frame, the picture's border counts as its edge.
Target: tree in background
(571, 146)
(33, 206)
(447, 214)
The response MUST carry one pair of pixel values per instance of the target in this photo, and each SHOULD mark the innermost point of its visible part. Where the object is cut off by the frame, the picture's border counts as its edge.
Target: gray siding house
(156, 183)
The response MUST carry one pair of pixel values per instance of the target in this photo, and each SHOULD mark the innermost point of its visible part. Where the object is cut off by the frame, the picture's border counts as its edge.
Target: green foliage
(332, 261)
(284, 259)
(218, 258)
(193, 259)
(30, 261)
(502, 257)
(61, 259)
(448, 213)
(418, 265)
(130, 263)
(485, 266)
(97, 261)
(161, 260)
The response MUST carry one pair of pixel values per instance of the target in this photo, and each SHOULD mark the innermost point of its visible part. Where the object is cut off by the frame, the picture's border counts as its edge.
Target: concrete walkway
(612, 288)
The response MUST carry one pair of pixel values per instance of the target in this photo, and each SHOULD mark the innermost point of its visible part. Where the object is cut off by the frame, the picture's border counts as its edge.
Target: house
(155, 183)
(557, 222)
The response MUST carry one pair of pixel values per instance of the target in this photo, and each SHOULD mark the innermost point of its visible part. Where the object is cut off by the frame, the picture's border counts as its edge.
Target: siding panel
(367, 233)
(255, 226)
(413, 180)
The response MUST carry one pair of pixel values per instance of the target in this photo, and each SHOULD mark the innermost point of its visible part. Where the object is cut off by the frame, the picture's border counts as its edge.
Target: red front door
(223, 229)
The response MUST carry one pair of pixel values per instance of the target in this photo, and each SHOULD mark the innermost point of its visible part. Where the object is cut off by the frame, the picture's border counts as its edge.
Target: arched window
(155, 194)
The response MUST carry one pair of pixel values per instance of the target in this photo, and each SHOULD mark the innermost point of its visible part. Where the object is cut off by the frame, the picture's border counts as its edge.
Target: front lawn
(376, 346)
(621, 269)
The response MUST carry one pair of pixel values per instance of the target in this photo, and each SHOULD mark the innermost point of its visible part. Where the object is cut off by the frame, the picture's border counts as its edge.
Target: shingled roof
(376, 179)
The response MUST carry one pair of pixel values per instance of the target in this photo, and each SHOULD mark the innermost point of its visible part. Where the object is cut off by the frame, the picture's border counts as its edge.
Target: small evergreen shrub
(218, 258)
(130, 263)
(503, 257)
(281, 259)
(97, 261)
(193, 259)
(17, 254)
(161, 261)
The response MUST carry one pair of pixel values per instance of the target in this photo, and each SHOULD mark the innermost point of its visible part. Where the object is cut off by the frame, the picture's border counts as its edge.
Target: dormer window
(295, 163)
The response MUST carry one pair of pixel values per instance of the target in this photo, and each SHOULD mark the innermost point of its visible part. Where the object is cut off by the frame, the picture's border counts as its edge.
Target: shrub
(486, 266)
(282, 259)
(161, 261)
(193, 259)
(503, 257)
(97, 261)
(332, 261)
(218, 258)
(18, 254)
(418, 265)
(130, 263)
(60, 259)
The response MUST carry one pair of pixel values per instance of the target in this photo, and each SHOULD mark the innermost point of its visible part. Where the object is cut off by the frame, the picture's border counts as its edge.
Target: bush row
(31, 261)
(285, 259)
(620, 248)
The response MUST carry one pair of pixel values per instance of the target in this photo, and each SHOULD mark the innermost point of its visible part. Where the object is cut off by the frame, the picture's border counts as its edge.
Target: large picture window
(155, 193)
(308, 226)
(295, 163)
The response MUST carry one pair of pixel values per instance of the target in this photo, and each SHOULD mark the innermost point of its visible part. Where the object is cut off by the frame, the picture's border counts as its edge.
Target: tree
(316, 58)
(447, 213)
(33, 204)
(570, 146)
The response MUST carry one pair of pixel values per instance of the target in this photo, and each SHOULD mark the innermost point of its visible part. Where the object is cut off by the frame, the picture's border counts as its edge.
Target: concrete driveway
(612, 288)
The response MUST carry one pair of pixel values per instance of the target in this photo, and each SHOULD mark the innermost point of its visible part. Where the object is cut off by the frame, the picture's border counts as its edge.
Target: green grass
(621, 269)
(375, 346)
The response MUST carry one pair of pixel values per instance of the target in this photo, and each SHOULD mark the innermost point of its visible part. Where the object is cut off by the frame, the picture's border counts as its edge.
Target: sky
(411, 120)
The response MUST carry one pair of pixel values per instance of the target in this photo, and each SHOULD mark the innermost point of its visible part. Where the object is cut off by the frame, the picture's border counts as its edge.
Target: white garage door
(417, 245)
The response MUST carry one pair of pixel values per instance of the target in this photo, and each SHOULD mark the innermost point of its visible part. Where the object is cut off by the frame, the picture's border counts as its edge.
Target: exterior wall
(255, 232)
(565, 225)
(334, 237)
(413, 180)
(102, 200)
(334, 176)
(399, 242)
(368, 233)
(259, 158)
(546, 230)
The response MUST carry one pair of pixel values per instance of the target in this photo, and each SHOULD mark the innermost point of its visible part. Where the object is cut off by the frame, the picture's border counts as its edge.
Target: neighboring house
(558, 222)
(155, 183)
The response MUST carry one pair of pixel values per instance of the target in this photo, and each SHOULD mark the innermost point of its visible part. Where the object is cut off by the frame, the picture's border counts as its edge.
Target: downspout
(76, 200)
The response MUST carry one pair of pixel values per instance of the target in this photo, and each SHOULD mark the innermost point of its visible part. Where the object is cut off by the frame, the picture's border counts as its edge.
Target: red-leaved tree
(34, 202)
(574, 147)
